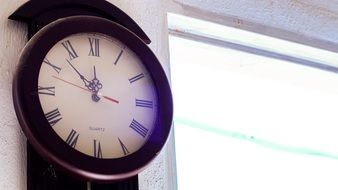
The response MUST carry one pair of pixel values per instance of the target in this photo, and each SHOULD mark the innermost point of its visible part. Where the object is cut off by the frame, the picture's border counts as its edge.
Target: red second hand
(111, 99)
(106, 97)
(71, 83)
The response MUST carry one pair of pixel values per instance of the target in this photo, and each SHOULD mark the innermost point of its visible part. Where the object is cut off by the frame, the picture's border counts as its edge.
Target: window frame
(185, 31)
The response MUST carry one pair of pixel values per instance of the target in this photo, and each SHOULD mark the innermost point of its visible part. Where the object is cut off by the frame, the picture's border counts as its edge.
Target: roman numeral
(53, 117)
(144, 103)
(124, 148)
(139, 128)
(46, 90)
(97, 149)
(94, 47)
(68, 46)
(56, 68)
(136, 78)
(118, 57)
(72, 138)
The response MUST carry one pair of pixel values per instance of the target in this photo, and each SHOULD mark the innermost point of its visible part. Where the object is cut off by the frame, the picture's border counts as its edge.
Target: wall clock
(92, 98)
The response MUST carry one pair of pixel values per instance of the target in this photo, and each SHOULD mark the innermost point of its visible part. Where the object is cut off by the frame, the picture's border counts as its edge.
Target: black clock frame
(38, 13)
(46, 141)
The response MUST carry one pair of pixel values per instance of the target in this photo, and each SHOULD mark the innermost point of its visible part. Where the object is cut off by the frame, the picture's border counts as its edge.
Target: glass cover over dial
(97, 95)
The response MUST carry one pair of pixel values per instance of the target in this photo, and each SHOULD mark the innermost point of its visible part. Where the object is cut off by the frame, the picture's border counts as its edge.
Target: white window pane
(245, 121)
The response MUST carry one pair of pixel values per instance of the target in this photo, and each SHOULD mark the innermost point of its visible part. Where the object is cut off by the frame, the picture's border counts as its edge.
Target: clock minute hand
(78, 86)
(85, 81)
(94, 72)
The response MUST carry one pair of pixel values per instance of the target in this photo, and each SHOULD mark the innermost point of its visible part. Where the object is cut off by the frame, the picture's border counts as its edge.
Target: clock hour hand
(95, 85)
(85, 81)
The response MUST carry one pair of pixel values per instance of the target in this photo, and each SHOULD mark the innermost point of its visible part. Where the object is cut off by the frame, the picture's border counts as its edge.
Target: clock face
(97, 95)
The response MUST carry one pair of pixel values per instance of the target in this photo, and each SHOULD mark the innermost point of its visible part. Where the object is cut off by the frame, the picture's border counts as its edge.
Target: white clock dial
(97, 95)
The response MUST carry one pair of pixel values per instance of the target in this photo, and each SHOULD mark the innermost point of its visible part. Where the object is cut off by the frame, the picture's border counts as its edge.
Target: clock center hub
(96, 96)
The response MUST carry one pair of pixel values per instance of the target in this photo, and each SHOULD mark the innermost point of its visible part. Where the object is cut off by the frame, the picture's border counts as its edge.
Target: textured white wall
(310, 18)
(12, 143)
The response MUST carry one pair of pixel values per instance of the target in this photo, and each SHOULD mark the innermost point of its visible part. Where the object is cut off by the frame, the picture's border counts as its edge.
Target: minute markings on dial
(56, 68)
(124, 148)
(46, 90)
(94, 47)
(72, 138)
(53, 117)
(144, 103)
(119, 56)
(140, 129)
(68, 46)
(97, 149)
(136, 78)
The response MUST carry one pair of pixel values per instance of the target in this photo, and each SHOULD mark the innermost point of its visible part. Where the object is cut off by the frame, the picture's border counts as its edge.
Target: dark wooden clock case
(37, 14)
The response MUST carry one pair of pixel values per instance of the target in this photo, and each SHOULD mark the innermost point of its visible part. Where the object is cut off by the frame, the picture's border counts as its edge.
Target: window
(251, 111)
